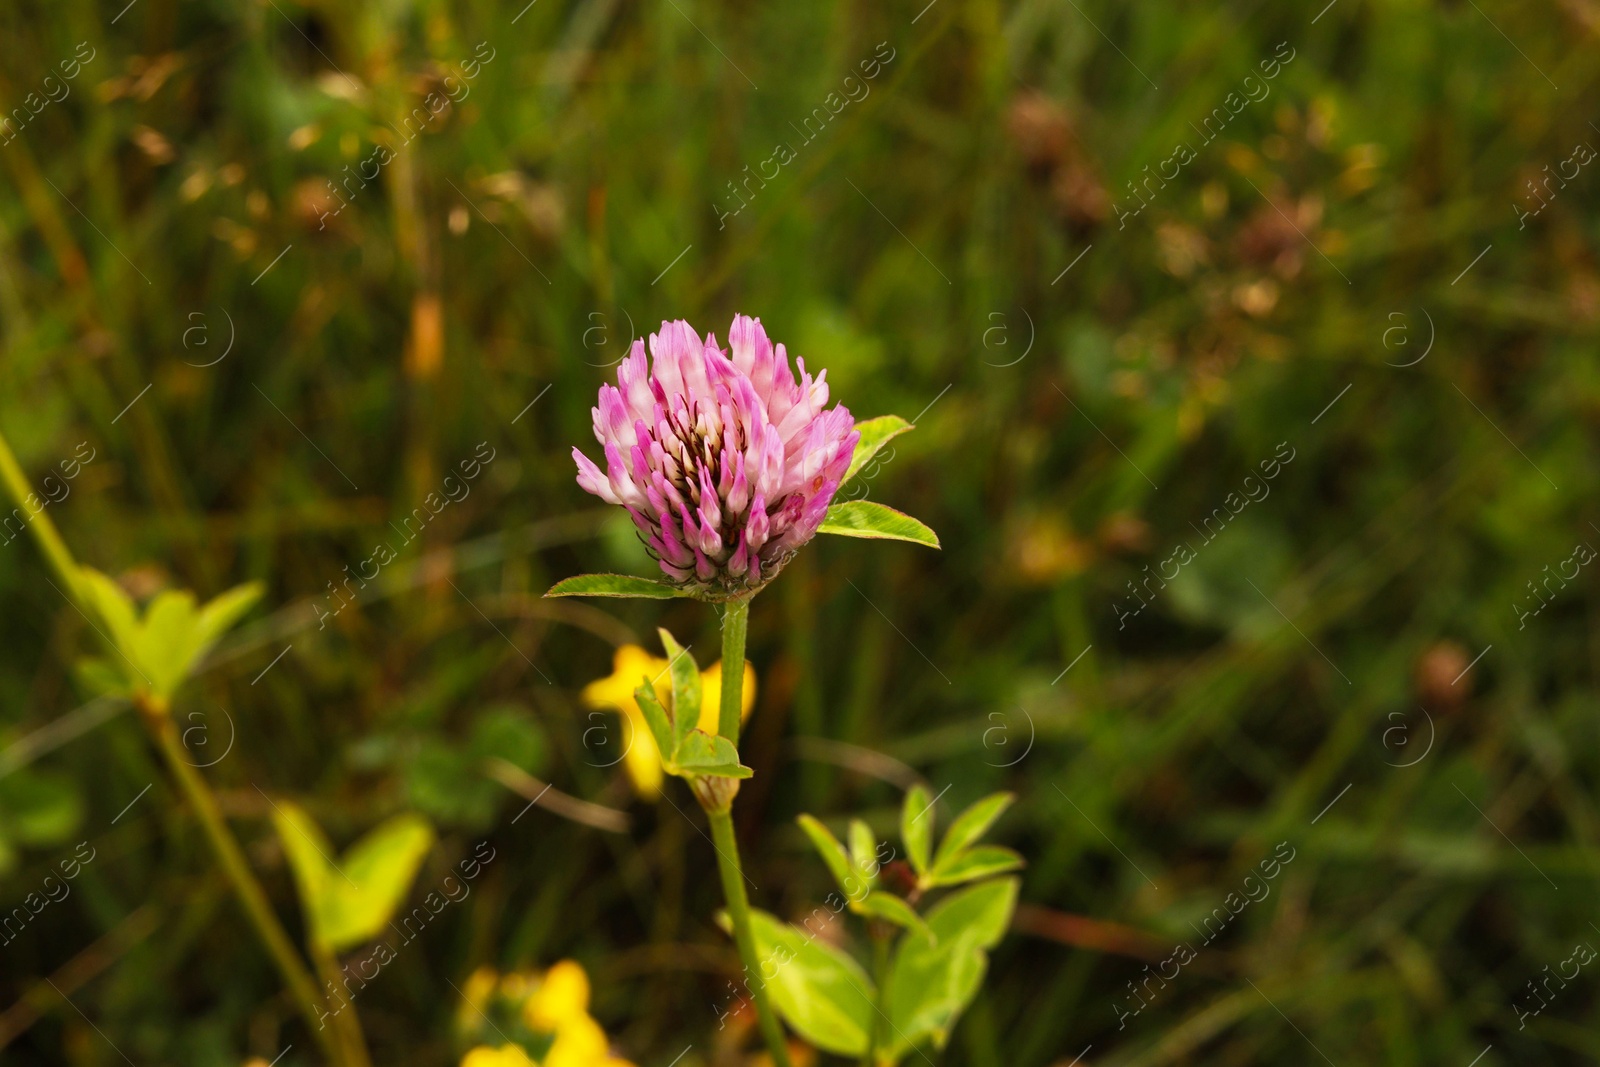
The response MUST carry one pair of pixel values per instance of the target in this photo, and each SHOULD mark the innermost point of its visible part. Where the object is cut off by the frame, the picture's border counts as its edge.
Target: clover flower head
(726, 462)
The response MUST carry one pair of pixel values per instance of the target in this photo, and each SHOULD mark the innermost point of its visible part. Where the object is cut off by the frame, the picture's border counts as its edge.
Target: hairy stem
(735, 622)
(302, 988)
(739, 911)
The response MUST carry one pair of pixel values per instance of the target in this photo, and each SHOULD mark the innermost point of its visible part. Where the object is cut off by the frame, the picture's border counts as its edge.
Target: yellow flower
(630, 667)
(504, 1056)
(579, 1043)
(555, 1003)
(711, 696)
(562, 997)
(633, 666)
(479, 988)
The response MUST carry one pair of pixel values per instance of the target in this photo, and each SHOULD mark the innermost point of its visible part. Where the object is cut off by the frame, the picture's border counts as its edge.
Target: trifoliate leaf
(158, 652)
(348, 900)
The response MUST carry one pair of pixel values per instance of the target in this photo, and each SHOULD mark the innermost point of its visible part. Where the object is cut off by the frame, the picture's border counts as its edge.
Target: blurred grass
(549, 204)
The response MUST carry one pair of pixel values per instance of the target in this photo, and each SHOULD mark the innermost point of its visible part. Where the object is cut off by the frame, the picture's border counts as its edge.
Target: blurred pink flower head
(726, 463)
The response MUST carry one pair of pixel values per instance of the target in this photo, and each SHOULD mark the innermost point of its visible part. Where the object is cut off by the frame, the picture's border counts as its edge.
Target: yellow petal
(711, 695)
(641, 760)
(479, 988)
(562, 997)
(504, 1056)
(579, 1043)
(629, 668)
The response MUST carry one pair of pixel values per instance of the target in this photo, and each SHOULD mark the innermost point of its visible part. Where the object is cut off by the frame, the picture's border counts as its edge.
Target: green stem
(231, 858)
(880, 974)
(346, 1027)
(55, 549)
(739, 911)
(158, 720)
(735, 622)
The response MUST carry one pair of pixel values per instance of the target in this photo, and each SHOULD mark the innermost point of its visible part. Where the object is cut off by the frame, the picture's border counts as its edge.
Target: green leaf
(981, 913)
(818, 989)
(382, 865)
(970, 825)
(916, 827)
(219, 615)
(656, 716)
(39, 807)
(933, 978)
(308, 852)
(833, 854)
(168, 640)
(177, 636)
(703, 755)
(159, 651)
(685, 688)
(100, 677)
(890, 907)
(349, 901)
(875, 433)
(615, 585)
(864, 518)
(864, 851)
(974, 863)
(115, 608)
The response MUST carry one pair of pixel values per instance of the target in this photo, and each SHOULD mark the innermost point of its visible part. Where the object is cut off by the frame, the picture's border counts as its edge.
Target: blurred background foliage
(1091, 385)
